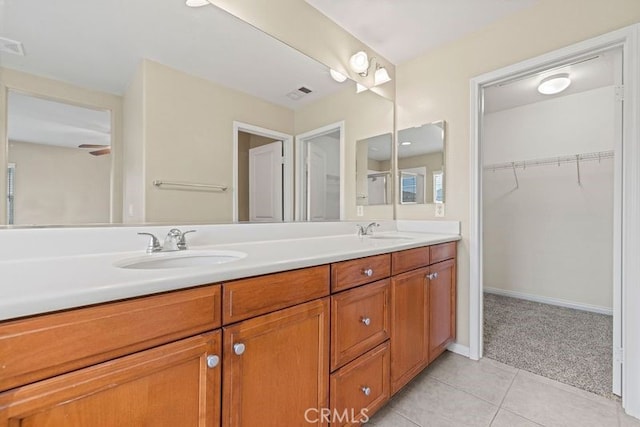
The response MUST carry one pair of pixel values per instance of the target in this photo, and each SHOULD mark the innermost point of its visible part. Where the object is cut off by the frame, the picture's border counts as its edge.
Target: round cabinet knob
(430, 276)
(435, 275)
(366, 390)
(366, 321)
(368, 272)
(238, 348)
(213, 361)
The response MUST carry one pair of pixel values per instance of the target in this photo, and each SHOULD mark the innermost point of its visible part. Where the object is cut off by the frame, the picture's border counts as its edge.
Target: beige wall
(188, 137)
(365, 115)
(59, 185)
(64, 92)
(301, 26)
(436, 86)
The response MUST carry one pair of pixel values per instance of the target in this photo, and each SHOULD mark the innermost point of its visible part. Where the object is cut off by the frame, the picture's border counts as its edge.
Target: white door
(265, 183)
(316, 183)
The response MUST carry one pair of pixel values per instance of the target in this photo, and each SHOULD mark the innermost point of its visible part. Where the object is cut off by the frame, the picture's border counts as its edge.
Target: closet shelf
(576, 158)
(523, 164)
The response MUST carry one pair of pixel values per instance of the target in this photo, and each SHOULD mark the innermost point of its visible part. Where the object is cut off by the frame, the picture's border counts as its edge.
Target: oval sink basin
(187, 259)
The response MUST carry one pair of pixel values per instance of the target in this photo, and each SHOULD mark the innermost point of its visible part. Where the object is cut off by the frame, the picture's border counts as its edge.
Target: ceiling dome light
(339, 77)
(359, 62)
(405, 143)
(197, 3)
(554, 84)
(381, 76)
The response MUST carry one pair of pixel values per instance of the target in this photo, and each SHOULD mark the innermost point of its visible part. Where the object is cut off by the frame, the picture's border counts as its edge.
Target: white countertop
(38, 285)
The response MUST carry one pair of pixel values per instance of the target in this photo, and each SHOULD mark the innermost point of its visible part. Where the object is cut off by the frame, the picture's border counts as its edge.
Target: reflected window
(409, 187)
(438, 189)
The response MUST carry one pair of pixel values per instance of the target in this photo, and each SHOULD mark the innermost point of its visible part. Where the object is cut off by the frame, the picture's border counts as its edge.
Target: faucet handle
(154, 243)
(182, 243)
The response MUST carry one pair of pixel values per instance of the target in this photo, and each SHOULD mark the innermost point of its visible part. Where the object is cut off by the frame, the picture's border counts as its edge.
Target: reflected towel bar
(159, 183)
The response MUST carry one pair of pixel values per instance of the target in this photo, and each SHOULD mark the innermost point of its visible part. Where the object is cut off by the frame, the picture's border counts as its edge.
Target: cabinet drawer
(349, 274)
(442, 252)
(410, 259)
(35, 348)
(361, 387)
(359, 321)
(252, 297)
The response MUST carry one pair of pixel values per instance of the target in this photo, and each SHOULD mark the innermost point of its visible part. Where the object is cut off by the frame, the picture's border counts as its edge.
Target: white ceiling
(404, 29)
(425, 139)
(587, 73)
(98, 44)
(41, 121)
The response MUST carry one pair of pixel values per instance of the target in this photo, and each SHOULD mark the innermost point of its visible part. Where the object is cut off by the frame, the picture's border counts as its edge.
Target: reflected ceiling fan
(103, 149)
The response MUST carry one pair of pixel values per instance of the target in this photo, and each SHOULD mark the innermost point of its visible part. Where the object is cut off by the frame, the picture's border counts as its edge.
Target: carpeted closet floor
(567, 345)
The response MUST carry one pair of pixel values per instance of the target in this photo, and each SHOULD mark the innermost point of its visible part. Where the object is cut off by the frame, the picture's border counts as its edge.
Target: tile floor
(456, 391)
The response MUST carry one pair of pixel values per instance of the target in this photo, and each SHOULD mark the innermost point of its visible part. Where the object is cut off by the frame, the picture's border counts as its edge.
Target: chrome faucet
(366, 230)
(175, 241)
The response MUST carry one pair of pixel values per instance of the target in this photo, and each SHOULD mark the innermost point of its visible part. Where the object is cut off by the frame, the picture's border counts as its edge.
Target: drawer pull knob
(238, 348)
(366, 321)
(213, 360)
(368, 272)
(366, 390)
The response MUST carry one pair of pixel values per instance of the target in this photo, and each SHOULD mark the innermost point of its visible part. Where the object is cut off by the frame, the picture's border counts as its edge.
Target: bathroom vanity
(268, 349)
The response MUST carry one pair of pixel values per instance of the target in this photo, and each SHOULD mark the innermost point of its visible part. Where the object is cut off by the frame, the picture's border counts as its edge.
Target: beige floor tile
(486, 379)
(429, 402)
(626, 420)
(613, 402)
(550, 405)
(509, 419)
(386, 417)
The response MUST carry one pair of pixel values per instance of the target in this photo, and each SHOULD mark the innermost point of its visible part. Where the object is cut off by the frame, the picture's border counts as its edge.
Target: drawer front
(246, 298)
(410, 259)
(359, 321)
(35, 348)
(443, 252)
(361, 387)
(349, 274)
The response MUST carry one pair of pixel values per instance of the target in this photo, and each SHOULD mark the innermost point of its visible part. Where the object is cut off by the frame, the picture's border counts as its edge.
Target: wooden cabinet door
(409, 326)
(277, 368)
(170, 386)
(442, 306)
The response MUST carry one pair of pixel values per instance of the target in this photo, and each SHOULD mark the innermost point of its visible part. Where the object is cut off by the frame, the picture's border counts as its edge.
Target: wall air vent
(11, 46)
(299, 93)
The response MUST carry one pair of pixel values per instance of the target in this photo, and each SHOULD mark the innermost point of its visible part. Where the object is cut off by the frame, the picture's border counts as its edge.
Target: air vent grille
(11, 46)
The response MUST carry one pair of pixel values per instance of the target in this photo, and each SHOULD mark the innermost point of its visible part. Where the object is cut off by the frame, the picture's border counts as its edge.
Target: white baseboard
(551, 301)
(460, 349)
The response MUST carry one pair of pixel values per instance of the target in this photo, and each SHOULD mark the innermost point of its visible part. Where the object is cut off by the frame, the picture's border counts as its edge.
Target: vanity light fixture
(360, 88)
(554, 84)
(339, 77)
(381, 76)
(197, 3)
(359, 63)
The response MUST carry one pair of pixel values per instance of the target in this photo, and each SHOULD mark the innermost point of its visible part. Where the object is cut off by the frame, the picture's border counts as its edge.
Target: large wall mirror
(171, 125)
(421, 165)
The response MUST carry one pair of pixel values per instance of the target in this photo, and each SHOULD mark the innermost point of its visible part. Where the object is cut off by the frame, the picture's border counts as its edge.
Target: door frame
(626, 201)
(301, 161)
(287, 179)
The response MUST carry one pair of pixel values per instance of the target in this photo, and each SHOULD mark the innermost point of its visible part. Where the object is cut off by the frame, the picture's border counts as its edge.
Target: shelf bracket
(515, 174)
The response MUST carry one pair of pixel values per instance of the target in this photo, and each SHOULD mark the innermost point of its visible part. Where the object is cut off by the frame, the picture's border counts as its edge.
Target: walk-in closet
(549, 163)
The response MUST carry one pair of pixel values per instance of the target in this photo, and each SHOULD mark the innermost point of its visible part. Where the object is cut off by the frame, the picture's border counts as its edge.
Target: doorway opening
(262, 175)
(547, 214)
(320, 173)
(626, 247)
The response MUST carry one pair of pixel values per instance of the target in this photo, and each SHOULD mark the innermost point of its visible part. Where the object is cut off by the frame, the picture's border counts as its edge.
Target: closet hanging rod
(159, 183)
(523, 164)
